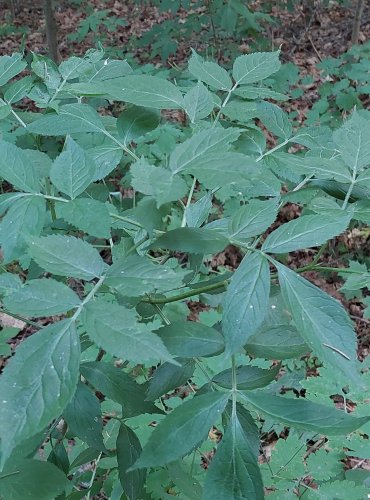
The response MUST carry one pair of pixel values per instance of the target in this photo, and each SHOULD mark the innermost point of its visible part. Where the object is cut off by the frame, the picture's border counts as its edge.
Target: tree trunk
(51, 30)
(357, 21)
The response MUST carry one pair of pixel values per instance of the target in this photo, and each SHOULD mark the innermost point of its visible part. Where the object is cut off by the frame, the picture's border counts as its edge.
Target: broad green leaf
(247, 423)
(313, 137)
(38, 383)
(47, 70)
(72, 119)
(305, 232)
(181, 475)
(275, 120)
(190, 340)
(234, 471)
(168, 377)
(198, 212)
(146, 90)
(209, 72)
(246, 301)
(304, 414)
(352, 139)
(134, 276)
(198, 102)
(135, 122)
(18, 90)
(158, 182)
(17, 169)
(73, 170)
(192, 240)
(88, 215)
(116, 329)
(118, 386)
(32, 479)
(321, 321)
(182, 430)
(277, 342)
(247, 377)
(25, 217)
(5, 110)
(83, 417)
(252, 219)
(251, 92)
(9, 283)
(191, 153)
(106, 158)
(128, 451)
(67, 256)
(250, 68)
(42, 297)
(86, 456)
(11, 66)
(73, 67)
(240, 111)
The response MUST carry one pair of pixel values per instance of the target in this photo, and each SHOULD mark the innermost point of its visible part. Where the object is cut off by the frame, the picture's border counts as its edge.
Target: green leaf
(83, 417)
(246, 301)
(234, 470)
(321, 321)
(72, 119)
(32, 479)
(41, 297)
(182, 430)
(240, 111)
(146, 90)
(192, 240)
(190, 340)
(247, 377)
(18, 90)
(73, 170)
(158, 182)
(9, 283)
(67, 256)
(254, 67)
(209, 72)
(305, 232)
(11, 66)
(192, 152)
(86, 214)
(168, 377)
(128, 451)
(198, 103)
(38, 383)
(352, 139)
(135, 122)
(275, 120)
(198, 212)
(277, 342)
(304, 414)
(117, 330)
(134, 276)
(252, 219)
(106, 158)
(118, 386)
(17, 169)
(25, 217)
(251, 92)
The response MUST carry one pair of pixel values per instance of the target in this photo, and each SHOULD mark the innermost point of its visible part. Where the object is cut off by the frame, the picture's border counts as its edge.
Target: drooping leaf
(32, 479)
(246, 301)
(189, 339)
(275, 120)
(277, 342)
(118, 386)
(84, 419)
(66, 256)
(352, 139)
(168, 377)
(305, 232)
(321, 321)
(25, 217)
(38, 383)
(116, 329)
(250, 68)
(42, 297)
(209, 72)
(134, 276)
(252, 219)
(182, 430)
(198, 102)
(135, 122)
(191, 239)
(128, 451)
(88, 215)
(73, 170)
(247, 377)
(17, 169)
(304, 414)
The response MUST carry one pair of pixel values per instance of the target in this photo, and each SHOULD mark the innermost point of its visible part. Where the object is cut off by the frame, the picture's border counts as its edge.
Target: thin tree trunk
(51, 30)
(357, 21)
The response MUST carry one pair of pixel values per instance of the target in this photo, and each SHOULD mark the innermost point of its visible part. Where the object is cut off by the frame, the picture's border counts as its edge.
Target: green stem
(188, 202)
(88, 297)
(234, 384)
(21, 318)
(185, 295)
(224, 103)
(19, 120)
(350, 189)
(276, 148)
(125, 219)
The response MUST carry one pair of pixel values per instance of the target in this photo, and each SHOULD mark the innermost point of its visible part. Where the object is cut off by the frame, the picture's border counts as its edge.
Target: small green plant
(97, 23)
(109, 225)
